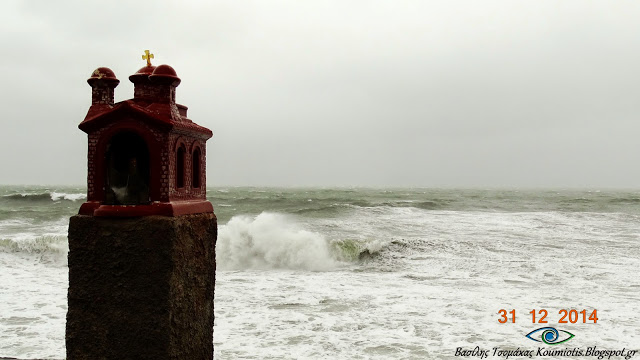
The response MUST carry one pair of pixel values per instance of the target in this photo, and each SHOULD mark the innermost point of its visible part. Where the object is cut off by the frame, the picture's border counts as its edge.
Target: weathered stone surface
(141, 288)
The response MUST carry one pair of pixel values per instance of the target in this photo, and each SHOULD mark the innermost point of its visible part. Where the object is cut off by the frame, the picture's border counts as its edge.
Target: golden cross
(147, 57)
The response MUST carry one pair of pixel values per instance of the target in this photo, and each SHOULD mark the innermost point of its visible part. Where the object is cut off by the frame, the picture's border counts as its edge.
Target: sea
(358, 273)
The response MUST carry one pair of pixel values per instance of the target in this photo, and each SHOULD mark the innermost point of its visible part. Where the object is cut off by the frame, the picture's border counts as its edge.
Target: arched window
(195, 168)
(180, 167)
(127, 170)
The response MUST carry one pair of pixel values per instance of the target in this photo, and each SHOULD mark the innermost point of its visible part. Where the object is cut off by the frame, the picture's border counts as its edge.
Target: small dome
(103, 73)
(165, 70)
(165, 74)
(145, 70)
(142, 75)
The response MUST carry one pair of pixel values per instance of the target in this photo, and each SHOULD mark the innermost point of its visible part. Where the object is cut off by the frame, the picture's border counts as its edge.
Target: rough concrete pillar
(141, 288)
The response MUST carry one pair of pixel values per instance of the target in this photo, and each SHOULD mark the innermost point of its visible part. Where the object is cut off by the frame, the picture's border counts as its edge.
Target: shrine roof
(156, 114)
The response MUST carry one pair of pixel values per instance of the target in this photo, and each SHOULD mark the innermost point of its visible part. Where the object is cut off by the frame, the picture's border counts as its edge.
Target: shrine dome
(164, 73)
(142, 74)
(165, 70)
(103, 73)
(148, 70)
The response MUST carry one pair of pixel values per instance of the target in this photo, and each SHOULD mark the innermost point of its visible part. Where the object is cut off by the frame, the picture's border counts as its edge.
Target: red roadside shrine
(145, 156)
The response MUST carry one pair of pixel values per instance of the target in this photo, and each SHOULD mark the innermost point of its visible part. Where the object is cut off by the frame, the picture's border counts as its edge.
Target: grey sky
(361, 92)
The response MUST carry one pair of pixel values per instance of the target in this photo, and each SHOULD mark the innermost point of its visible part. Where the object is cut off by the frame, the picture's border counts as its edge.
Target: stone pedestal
(141, 288)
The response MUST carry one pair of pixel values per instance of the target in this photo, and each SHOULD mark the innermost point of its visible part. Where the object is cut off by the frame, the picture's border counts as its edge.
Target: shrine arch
(181, 153)
(196, 171)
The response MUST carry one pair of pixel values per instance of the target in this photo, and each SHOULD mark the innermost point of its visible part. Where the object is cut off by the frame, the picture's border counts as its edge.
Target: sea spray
(271, 241)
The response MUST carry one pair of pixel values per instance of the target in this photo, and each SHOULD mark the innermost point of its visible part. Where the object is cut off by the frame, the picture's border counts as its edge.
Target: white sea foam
(22, 194)
(51, 249)
(33, 243)
(33, 306)
(9, 224)
(270, 241)
(55, 196)
(29, 239)
(452, 272)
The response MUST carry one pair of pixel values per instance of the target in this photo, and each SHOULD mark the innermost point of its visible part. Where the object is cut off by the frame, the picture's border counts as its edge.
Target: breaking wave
(276, 241)
(36, 244)
(55, 196)
(270, 241)
(49, 248)
(45, 196)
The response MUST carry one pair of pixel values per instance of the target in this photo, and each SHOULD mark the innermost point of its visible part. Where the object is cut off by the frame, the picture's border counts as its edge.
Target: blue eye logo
(550, 336)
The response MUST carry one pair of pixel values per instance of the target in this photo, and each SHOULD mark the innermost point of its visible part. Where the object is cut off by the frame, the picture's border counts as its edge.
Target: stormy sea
(354, 273)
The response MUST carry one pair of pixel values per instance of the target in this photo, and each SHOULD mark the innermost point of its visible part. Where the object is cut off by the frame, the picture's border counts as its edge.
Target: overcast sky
(341, 93)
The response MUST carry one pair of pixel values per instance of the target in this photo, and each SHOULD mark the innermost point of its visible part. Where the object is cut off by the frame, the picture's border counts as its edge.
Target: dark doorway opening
(127, 161)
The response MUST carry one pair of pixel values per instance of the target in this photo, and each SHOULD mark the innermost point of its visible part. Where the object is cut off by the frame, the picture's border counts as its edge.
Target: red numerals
(542, 312)
(573, 316)
(540, 316)
(504, 318)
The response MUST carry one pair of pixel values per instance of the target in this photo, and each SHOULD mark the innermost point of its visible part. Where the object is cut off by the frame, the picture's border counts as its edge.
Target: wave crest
(271, 241)
(51, 249)
(55, 196)
(45, 196)
(36, 244)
